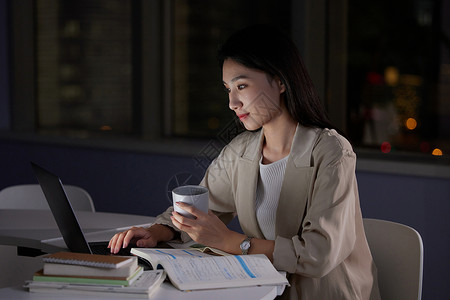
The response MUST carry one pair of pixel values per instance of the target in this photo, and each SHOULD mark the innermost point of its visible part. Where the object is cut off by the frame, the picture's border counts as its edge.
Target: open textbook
(192, 270)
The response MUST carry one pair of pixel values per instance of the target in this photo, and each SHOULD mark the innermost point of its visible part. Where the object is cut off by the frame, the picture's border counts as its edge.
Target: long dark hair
(267, 49)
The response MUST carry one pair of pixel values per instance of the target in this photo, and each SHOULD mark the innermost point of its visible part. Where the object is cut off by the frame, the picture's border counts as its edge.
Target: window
(200, 107)
(93, 57)
(399, 76)
(84, 66)
(148, 69)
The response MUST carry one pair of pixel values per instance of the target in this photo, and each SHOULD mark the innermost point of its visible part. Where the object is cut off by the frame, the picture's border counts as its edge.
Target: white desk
(37, 228)
(166, 291)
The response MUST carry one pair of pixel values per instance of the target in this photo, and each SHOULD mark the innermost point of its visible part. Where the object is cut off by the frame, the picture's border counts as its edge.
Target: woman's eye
(241, 86)
(226, 90)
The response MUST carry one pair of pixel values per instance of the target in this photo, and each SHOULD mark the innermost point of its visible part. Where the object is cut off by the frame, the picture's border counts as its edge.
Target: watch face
(245, 245)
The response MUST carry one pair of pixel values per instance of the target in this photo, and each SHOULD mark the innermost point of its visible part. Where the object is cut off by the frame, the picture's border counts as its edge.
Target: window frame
(22, 67)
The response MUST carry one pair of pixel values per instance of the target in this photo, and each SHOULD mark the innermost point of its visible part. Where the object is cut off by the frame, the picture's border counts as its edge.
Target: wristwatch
(245, 245)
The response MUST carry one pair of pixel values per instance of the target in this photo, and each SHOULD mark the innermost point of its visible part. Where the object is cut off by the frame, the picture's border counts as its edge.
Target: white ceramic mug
(195, 195)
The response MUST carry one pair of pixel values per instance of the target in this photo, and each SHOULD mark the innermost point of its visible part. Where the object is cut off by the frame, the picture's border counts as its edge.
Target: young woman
(290, 179)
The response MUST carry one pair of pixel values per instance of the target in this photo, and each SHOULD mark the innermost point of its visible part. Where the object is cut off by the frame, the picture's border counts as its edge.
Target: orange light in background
(386, 147)
(411, 123)
(391, 76)
(437, 152)
(106, 128)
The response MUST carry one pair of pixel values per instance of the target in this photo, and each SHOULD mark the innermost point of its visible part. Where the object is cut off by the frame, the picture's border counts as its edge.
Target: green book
(125, 281)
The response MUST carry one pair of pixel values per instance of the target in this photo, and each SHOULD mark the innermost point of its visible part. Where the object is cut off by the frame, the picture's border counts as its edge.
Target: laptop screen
(62, 210)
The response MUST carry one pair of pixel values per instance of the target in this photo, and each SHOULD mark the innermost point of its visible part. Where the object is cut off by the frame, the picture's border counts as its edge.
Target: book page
(209, 250)
(160, 255)
(224, 271)
(192, 269)
(193, 245)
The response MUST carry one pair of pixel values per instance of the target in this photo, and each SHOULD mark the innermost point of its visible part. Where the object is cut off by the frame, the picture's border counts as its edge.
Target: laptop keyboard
(102, 249)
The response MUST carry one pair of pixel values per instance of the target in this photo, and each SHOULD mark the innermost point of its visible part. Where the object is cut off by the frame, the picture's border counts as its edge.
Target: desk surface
(165, 291)
(37, 228)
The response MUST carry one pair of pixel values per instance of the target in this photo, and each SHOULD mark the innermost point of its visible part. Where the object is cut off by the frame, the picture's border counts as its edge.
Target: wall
(422, 203)
(117, 181)
(127, 182)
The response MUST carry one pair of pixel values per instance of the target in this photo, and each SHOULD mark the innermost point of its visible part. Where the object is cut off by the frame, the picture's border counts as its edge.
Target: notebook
(88, 260)
(65, 216)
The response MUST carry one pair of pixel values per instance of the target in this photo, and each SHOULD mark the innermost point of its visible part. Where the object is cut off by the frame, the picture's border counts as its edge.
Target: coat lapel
(292, 202)
(248, 174)
(296, 183)
(295, 187)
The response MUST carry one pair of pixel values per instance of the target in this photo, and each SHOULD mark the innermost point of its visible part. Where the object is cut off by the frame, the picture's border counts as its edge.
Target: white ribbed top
(267, 195)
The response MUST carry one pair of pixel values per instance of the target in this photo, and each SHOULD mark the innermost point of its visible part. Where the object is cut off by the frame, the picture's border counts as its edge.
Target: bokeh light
(105, 128)
(386, 147)
(391, 76)
(437, 152)
(411, 123)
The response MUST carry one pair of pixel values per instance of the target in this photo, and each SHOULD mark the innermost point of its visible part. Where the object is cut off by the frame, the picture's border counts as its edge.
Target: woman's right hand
(142, 237)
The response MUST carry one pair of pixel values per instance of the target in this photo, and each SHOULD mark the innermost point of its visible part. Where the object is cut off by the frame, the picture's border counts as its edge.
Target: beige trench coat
(320, 238)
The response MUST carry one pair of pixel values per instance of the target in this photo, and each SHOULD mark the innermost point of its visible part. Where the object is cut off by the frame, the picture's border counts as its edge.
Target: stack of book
(80, 273)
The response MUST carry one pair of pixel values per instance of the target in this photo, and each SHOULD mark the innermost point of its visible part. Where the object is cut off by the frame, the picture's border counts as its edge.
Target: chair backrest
(397, 250)
(30, 196)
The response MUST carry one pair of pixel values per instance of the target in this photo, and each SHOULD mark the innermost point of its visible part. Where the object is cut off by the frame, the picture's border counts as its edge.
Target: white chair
(397, 250)
(30, 196)
(19, 261)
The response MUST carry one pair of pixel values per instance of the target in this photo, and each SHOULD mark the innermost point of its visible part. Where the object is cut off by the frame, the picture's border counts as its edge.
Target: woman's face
(254, 95)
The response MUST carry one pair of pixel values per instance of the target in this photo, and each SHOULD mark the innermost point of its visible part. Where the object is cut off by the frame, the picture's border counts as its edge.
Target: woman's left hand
(206, 229)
